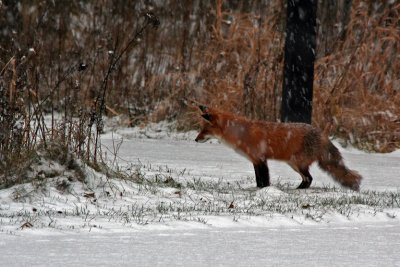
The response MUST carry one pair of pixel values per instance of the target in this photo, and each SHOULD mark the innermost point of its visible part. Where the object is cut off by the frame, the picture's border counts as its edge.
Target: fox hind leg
(305, 175)
(307, 179)
(262, 174)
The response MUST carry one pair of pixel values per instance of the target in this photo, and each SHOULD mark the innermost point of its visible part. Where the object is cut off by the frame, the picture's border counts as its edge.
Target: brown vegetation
(358, 85)
(59, 57)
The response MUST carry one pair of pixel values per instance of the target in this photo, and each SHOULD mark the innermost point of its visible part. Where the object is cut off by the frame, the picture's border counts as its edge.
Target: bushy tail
(331, 161)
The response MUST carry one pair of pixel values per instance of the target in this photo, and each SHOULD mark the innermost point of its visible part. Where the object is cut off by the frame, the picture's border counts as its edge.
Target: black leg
(262, 174)
(307, 179)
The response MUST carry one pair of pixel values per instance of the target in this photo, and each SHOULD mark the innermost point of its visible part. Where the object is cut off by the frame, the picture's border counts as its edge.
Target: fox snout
(210, 127)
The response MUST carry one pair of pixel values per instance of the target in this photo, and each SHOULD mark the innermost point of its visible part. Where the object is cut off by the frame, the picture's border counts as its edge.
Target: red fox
(298, 144)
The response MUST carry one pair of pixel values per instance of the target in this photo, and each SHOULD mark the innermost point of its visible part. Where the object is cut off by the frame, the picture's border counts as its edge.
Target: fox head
(211, 127)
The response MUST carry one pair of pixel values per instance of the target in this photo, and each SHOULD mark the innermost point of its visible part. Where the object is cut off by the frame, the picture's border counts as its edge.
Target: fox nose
(197, 139)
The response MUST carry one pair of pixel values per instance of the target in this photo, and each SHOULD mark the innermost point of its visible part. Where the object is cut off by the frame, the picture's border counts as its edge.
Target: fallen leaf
(26, 225)
(89, 194)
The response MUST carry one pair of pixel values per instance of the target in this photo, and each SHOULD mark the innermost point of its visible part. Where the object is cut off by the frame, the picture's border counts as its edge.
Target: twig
(99, 105)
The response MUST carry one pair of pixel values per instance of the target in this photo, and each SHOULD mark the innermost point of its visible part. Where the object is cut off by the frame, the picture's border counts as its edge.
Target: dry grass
(45, 108)
(358, 85)
(226, 54)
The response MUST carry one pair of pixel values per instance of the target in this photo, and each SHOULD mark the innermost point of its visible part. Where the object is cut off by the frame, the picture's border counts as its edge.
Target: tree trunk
(299, 61)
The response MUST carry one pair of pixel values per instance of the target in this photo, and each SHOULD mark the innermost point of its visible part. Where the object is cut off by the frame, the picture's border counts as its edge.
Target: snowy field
(359, 244)
(180, 203)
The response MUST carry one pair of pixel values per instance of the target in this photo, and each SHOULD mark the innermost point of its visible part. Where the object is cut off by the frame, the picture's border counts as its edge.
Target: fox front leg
(262, 174)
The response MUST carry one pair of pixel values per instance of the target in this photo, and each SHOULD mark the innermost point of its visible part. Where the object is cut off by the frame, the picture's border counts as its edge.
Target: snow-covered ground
(359, 244)
(182, 203)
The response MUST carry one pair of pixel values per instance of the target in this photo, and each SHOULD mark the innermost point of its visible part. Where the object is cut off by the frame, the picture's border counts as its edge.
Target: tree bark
(299, 61)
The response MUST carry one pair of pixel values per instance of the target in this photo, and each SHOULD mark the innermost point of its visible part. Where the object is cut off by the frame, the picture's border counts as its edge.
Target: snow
(363, 245)
(196, 204)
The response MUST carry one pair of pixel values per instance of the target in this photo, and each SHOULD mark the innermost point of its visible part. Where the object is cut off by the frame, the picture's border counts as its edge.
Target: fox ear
(207, 116)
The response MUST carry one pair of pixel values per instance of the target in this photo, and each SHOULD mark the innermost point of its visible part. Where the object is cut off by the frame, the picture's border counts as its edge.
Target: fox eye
(207, 116)
(203, 108)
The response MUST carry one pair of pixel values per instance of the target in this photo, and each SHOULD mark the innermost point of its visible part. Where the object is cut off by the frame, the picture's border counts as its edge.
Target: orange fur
(298, 144)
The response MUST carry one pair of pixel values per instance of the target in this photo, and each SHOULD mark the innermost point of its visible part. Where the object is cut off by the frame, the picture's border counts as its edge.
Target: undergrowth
(64, 66)
(141, 194)
(54, 124)
(75, 59)
(194, 196)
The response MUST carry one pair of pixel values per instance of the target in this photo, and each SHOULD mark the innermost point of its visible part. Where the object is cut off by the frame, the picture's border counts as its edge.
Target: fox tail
(331, 161)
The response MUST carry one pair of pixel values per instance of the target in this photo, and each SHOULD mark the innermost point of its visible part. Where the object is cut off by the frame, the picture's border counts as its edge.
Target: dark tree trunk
(299, 61)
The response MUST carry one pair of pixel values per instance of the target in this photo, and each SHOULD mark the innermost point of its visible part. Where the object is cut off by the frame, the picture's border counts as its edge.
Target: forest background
(139, 59)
